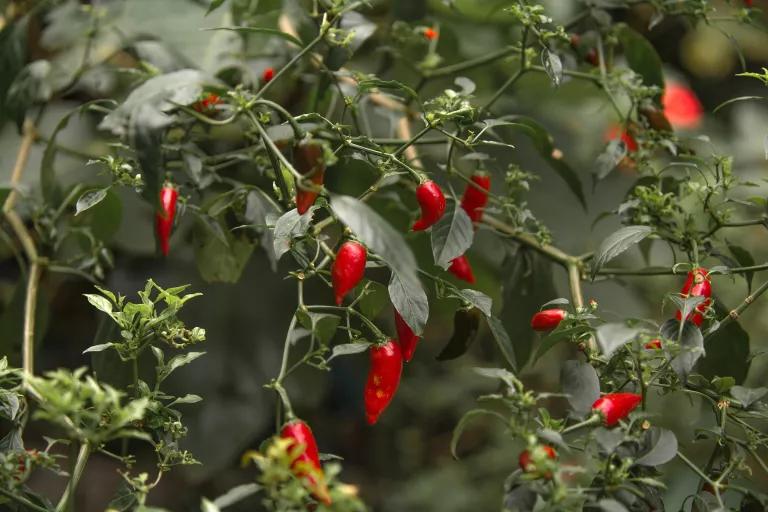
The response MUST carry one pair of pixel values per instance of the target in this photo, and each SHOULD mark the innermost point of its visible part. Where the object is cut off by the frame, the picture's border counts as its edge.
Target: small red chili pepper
(476, 197)
(615, 131)
(165, 216)
(207, 102)
(461, 268)
(654, 344)
(430, 34)
(592, 57)
(697, 284)
(307, 464)
(383, 379)
(268, 74)
(548, 319)
(575, 41)
(681, 106)
(406, 337)
(348, 269)
(616, 406)
(747, 3)
(308, 159)
(529, 466)
(432, 203)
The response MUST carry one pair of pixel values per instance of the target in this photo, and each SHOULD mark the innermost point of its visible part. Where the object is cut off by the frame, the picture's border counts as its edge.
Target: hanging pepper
(348, 269)
(697, 285)
(268, 74)
(306, 465)
(548, 319)
(383, 379)
(461, 268)
(207, 102)
(476, 197)
(432, 202)
(430, 34)
(406, 337)
(527, 463)
(654, 344)
(466, 323)
(615, 406)
(308, 159)
(165, 216)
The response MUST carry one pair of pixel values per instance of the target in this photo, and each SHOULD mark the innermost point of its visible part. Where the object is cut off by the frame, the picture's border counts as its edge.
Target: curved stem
(77, 472)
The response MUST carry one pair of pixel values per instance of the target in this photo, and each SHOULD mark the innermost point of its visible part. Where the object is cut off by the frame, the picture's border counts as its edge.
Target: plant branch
(77, 473)
(23, 501)
(528, 240)
(733, 315)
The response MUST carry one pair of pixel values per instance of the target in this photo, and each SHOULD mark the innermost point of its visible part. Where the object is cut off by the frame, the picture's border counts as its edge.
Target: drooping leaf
(220, 256)
(289, 226)
(466, 323)
(579, 381)
(748, 396)
(553, 66)
(618, 242)
(458, 430)
(662, 447)
(544, 144)
(378, 235)
(641, 56)
(727, 350)
(611, 336)
(745, 259)
(347, 349)
(478, 299)
(452, 235)
(691, 345)
(502, 339)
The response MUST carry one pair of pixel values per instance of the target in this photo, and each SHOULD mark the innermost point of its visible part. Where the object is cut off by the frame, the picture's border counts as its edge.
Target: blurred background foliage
(403, 463)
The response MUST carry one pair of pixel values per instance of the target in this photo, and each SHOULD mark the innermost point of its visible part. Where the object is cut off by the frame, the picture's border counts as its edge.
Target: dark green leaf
(323, 325)
(579, 381)
(641, 56)
(410, 300)
(477, 299)
(374, 300)
(691, 345)
(452, 235)
(611, 336)
(562, 332)
(617, 243)
(462, 424)
(290, 225)
(216, 260)
(662, 447)
(347, 349)
(727, 350)
(748, 396)
(501, 337)
(745, 259)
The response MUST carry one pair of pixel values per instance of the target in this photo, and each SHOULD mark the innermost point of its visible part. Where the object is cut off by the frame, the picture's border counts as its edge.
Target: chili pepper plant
(368, 152)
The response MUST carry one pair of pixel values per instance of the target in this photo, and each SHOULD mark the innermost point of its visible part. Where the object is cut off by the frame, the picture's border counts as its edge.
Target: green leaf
(617, 243)
(289, 226)
(580, 382)
(378, 235)
(612, 335)
(641, 56)
(372, 84)
(97, 348)
(562, 332)
(691, 345)
(553, 66)
(263, 30)
(90, 199)
(452, 235)
(611, 505)
(347, 349)
(466, 323)
(501, 337)
(177, 362)
(99, 302)
(323, 325)
(236, 495)
(215, 4)
(187, 399)
(745, 259)
(217, 260)
(614, 152)
(663, 447)
(477, 299)
(727, 350)
(374, 300)
(748, 396)
(9, 404)
(458, 430)
(544, 144)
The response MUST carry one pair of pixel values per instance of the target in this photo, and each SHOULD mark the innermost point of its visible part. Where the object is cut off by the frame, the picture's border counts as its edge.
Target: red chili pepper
(430, 34)
(654, 344)
(308, 159)
(268, 75)
(548, 319)
(164, 217)
(616, 406)
(575, 41)
(348, 269)
(306, 465)
(592, 57)
(476, 197)
(697, 284)
(207, 102)
(681, 106)
(432, 202)
(615, 131)
(747, 3)
(383, 379)
(529, 466)
(406, 337)
(461, 268)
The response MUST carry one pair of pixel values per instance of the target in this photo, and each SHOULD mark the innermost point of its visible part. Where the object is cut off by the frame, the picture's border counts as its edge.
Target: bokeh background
(403, 463)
